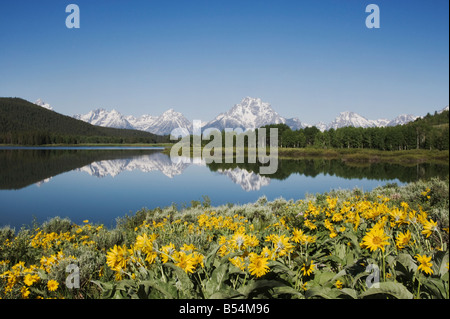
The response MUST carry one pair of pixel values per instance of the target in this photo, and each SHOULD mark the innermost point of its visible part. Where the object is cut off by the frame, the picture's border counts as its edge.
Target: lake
(102, 183)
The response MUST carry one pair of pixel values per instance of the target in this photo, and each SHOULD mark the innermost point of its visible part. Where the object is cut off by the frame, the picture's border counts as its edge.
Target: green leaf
(323, 292)
(209, 262)
(340, 251)
(342, 273)
(353, 239)
(42, 274)
(407, 261)
(440, 262)
(108, 288)
(280, 268)
(393, 289)
(285, 290)
(226, 293)
(168, 290)
(437, 287)
(349, 292)
(218, 276)
(323, 278)
(259, 286)
(334, 259)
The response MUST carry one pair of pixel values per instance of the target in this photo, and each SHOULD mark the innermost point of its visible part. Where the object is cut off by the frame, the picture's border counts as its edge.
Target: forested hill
(429, 132)
(24, 123)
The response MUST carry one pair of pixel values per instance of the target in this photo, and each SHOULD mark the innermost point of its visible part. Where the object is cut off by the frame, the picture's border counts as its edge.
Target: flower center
(376, 240)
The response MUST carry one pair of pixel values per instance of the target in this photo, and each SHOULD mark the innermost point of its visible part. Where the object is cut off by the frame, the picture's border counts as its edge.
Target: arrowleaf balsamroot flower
(30, 279)
(308, 269)
(429, 227)
(116, 258)
(375, 239)
(282, 246)
(185, 261)
(425, 264)
(403, 239)
(52, 285)
(258, 265)
(298, 236)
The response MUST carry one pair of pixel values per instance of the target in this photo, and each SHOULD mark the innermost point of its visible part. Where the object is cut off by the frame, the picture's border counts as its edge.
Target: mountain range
(250, 113)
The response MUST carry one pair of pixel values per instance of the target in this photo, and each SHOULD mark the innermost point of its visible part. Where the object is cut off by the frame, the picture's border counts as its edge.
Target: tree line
(429, 132)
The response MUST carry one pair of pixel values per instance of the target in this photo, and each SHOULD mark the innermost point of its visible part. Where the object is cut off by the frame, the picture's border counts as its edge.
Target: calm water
(101, 184)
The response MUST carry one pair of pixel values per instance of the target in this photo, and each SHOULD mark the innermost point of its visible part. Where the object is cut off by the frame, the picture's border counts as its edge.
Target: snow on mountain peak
(102, 117)
(250, 113)
(161, 125)
(348, 118)
(43, 104)
(444, 109)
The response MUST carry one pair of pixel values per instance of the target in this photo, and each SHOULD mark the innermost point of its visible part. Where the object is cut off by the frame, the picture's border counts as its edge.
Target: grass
(371, 156)
(356, 155)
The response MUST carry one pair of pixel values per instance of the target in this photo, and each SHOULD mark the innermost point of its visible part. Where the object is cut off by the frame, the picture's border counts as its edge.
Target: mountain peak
(102, 117)
(250, 113)
(444, 109)
(171, 112)
(43, 104)
(249, 100)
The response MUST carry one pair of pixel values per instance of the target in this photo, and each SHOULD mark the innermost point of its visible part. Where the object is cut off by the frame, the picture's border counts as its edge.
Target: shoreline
(358, 156)
(350, 155)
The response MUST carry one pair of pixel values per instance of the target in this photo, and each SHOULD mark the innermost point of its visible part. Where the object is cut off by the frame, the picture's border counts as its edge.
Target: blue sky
(309, 59)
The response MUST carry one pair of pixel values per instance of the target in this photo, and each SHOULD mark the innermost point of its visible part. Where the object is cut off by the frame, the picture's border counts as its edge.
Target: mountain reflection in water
(23, 167)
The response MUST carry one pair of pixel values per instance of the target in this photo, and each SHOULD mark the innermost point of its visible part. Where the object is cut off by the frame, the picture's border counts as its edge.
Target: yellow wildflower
(403, 239)
(307, 269)
(429, 227)
(52, 285)
(258, 265)
(425, 264)
(184, 261)
(375, 239)
(116, 258)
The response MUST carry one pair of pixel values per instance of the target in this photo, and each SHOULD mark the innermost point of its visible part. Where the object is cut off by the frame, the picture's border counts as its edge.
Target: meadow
(391, 242)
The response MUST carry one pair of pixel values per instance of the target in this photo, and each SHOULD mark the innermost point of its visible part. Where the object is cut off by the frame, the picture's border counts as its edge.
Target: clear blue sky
(309, 59)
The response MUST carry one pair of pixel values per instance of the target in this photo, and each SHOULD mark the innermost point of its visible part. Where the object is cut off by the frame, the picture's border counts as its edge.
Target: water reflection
(20, 168)
(248, 180)
(144, 163)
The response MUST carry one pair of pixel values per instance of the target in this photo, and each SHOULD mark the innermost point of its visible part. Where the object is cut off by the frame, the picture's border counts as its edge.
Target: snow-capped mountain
(102, 117)
(351, 119)
(295, 123)
(161, 125)
(402, 119)
(251, 113)
(322, 126)
(345, 119)
(444, 109)
(143, 123)
(43, 104)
